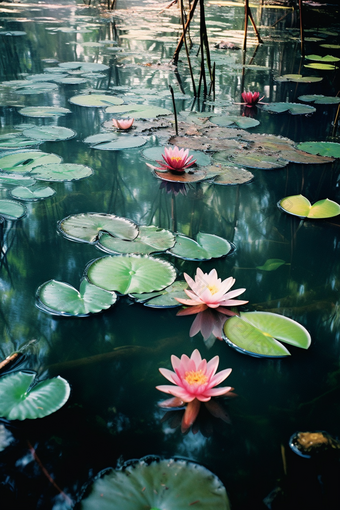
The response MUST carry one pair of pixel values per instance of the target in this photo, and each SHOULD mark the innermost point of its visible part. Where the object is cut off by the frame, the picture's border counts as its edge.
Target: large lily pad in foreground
(20, 401)
(24, 161)
(298, 205)
(164, 298)
(157, 484)
(131, 273)
(149, 240)
(59, 298)
(86, 227)
(260, 334)
(206, 247)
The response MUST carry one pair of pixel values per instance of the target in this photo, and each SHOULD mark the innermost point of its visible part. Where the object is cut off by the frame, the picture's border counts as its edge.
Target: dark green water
(112, 414)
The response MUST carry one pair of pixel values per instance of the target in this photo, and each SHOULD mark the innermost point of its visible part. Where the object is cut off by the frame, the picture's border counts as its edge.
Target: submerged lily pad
(330, 149)
(207, 246)
(130, 274)
(61, 172)
(292, 108)
(11, 210)
(50, 133)
(271, 265)
(164, 298)
(20, 401)
(174, 479)
(24, 161)
(36, 192)
(138, 111)
(95, 100)
(238, 120)
(43, 111)
(149, 240)
(319, 99)
(59, 298)
(86, 227)
(260, 334)
(298, 205)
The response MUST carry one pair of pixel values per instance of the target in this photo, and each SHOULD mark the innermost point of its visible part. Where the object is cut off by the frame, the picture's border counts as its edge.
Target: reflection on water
(111, 359)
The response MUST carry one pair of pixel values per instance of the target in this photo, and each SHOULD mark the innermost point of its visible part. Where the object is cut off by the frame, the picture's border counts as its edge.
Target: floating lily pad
(297, 156)
(121, 142)
(32, 193)
(298, 78)
(24, 161)
(260, 334)
(36, 88)
(238, 120)
(330, 149)
(292, 108)
(331, 46)
(130, 274)
(43, 111)
(164, 298)
(50, 133)
(84, 66)
(226, 175)
(321, 66)
(86, 227)
(187, 177)
(138, 111)
(319, 99)
(11, 210)
(15, 180)
(298, 205)
(20, 401)
(16, 141)
(271, 265)
(326, 58)
(155, 154)
(71, 81)
(100, 138)
(149, 240)
(61, 172)
(95, 100)
(174, 480)
(207, 246)
(59, 298)
(261, 161)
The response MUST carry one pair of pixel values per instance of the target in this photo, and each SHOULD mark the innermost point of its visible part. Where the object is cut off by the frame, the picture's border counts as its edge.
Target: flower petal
(215, 392)
(171, 376)
(190, 415)
(176, 392)
(219, 377)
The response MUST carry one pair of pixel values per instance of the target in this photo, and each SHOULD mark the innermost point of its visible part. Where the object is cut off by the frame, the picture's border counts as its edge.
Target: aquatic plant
(122, 124)
(195, 380)
(176, 160)
(251, 98)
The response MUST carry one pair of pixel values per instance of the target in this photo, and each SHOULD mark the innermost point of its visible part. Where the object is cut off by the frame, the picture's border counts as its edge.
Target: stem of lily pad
(174, 107)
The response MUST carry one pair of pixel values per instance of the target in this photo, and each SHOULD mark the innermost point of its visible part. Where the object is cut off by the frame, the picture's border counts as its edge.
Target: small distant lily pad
(271, 265)
(298, 205)
(163, 298)
(43, 111)
(87, 227)
(95, 100)
(298, 78)
(120, 142)
(292, 108)
(260, 334)
(61, 172)
(238, 120)
(100, 138)
(59, 298)
(319, 58)
(32, 193)
(206, 247)
(321, 66)
(129, 274)
(319, 99)
(138, 111)
(330, 149)
(50, 133)
(11, 210)
(149, 240)
(34, 87)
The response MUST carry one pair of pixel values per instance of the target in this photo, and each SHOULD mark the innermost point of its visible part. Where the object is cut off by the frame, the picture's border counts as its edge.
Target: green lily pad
(85, 67)
(59, 298)
(11, 210)
(297, 156)
(330, 149)
(164, 298)
(174, 480)
(43, 111)
(207, 246)
(229, 175)
(71, 81)
(130, 274)
(331, 46)
(138, 111)
(326, 58)
(121, 142)
(155, 154)
(100, 138)
(61, 172)
(298, 78)
(238, 120)
(95, 100)
(260, 334)
(323, 67)
(15, 180)
(319, 99)
(86, 227)
(271, 265)
(36, 88)
(261, 161)
(292, 108)
(50, 133)
(23, 162)
(298, 205)
(16, 141)
(149, 240)
(20, 401)
(32, 193)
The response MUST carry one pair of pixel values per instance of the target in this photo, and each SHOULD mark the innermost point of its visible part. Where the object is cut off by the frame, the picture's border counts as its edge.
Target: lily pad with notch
(86, 227)
(95, 100)
(23, 162)
(50, 133)
(258, 160)
(260, 334)
(300, 206)
(129, 274)
(325, 59)
(298, 78)
(43, 111)
(16, 140)
(319, 99)
(164, 298)
(11, 210)
(330, 149)
(206, 247)
(32, 193)
(238, 120)
(138, 111)
(292, 108)
(120, 142)
(150, 239)
(59, 298)
(19, 400)
(61, 172)
(229, 175)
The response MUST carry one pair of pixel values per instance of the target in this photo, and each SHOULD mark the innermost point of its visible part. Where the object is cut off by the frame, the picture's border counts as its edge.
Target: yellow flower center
(193, 377)
(176, 159)
(213, 289)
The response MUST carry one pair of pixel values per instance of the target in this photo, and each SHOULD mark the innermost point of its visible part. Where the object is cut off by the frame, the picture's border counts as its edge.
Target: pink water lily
(123, 124)
(209, 291)
(176, 160)
(195, 380)
(251, 98)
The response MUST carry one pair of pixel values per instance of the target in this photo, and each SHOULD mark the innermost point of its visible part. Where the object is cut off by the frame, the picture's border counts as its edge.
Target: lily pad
(187, 177)
(321, 66)
(298, 78)
(149, 240)
(238, 120)
(84, 66)
(36, 88)
(271, 265)
(100, 138)
(255, 160)
(11, 210)
(61, 172)
(174, 480)
(260, 334)
(95, 100)
(207, 246)
(226, 175)
(292, 108)
(43, 111)
(164, 298)
(121, 142)
(330, 149)
(20, 401)
(319, 58)
(297, 156)
(16, 141)
(298, 205)
(138, 111)
(59, 298)
(15, 180)
(50, 133)
(32, 193)
(130, 274)
(23, 162)
(85, 228)
(319, 99)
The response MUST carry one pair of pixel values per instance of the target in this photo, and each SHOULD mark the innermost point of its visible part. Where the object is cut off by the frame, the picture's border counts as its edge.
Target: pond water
(111, 359)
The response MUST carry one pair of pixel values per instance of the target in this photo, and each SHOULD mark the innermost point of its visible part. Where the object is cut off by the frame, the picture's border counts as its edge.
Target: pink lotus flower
(251, 98)
(176, 160)
(123, 124)
(209, 291)
(195, 382)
